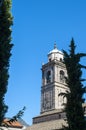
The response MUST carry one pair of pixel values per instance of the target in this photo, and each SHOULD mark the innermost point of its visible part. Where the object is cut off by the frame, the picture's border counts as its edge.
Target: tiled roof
(14, 124)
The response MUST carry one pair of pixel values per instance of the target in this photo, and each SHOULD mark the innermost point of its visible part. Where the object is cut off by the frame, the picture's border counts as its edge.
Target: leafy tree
(73, 107)
(6, 22)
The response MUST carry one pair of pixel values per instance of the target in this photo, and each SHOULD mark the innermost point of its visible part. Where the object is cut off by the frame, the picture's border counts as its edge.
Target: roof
(14, 124)
(51, 112)
(49, 125)
(23, 122)
(55, 50)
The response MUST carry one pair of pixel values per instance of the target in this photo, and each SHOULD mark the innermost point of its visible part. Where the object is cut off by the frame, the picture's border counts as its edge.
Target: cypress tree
(73, 107)
(6, 22)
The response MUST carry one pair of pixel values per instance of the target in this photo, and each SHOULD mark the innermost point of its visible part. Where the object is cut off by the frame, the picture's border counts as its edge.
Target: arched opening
(48, 77)
(61, 60)
(62, 76)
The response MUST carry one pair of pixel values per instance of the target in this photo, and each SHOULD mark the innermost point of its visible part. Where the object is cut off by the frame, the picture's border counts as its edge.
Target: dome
(55, 54)
(55, 50)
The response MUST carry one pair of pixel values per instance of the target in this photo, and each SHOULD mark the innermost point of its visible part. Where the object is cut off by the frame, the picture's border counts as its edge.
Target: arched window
(48, 77)
(62, 76)
(49, 59)
(61, 59)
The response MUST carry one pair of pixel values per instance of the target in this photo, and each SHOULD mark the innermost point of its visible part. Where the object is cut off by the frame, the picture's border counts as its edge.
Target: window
(61, 59)
(50, 60)
(62, 76)
(48, 77)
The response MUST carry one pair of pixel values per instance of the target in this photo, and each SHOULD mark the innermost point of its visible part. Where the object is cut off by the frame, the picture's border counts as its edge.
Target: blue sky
(37, 25)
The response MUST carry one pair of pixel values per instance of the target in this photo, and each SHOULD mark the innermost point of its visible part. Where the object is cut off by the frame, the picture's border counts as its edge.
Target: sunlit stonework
(52, 116)
(53, 81)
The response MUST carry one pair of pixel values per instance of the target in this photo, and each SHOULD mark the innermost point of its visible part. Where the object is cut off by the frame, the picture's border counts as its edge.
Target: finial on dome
(55, 47)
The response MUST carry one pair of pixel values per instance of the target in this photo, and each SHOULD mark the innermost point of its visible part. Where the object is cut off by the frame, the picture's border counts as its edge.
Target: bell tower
(53, 81)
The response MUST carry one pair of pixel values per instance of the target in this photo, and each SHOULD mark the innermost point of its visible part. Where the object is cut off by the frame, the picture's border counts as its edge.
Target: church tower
(52, 116)
(53, 81)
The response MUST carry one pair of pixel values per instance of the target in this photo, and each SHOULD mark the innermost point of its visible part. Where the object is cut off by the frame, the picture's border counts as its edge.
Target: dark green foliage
(5, 51)
(73, 108)
(14, 118)
(18, 115)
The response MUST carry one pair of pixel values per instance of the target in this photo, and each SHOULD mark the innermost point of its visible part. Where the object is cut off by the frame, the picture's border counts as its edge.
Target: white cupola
(55, 54)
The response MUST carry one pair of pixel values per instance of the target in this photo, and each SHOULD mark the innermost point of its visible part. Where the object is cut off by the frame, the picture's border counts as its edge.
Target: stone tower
(52, 116)
(53, 81)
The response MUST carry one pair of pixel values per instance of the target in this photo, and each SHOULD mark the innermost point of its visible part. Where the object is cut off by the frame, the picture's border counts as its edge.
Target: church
(52, 116)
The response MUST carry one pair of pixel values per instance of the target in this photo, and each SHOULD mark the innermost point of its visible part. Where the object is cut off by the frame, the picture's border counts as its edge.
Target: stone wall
(50, 117)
